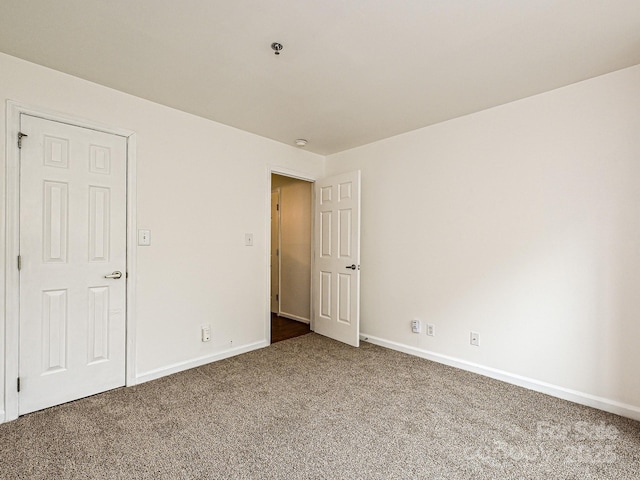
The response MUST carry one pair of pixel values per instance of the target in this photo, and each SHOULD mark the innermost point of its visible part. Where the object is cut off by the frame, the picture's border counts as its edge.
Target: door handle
(115, 275)
(352, 267)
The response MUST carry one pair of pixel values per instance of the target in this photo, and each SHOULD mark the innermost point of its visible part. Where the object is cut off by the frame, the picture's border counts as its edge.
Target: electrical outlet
(416, 326)
(206, 333)
(431, 329)
(474, 339)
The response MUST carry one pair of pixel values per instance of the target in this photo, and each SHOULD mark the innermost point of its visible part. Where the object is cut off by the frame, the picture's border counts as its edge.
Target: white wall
(197, 269)
(295, 241)
(522, 223)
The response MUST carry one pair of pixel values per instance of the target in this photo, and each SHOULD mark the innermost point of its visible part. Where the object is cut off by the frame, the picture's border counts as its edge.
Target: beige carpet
(311, 408)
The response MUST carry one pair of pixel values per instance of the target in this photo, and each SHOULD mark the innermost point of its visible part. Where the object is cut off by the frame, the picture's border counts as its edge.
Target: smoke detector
(301, 142)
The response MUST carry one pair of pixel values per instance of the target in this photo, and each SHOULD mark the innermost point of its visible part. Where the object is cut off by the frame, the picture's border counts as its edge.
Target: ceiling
(350, 73)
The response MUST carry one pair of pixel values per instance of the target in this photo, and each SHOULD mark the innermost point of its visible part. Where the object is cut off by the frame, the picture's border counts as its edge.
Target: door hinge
(278, 206)
(277, 252)
(18, 384)
(20, 137)
(19, 262)
(277, 297)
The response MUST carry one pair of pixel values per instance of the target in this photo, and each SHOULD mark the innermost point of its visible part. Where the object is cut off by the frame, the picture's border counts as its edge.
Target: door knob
(352, 267)
(115, 275)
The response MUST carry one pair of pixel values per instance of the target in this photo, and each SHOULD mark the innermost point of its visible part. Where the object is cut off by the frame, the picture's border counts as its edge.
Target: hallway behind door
(291, 229)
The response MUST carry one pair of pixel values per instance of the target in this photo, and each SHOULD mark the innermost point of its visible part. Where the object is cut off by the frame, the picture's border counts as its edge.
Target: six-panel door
(72, 234)
(337, 258)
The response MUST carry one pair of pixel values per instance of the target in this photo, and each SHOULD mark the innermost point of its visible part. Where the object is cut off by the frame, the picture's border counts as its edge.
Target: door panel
(54, 330)
(337, 258)
(72, 233)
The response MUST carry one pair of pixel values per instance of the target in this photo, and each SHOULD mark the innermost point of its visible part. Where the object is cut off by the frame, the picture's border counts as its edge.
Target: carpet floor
(312, 408)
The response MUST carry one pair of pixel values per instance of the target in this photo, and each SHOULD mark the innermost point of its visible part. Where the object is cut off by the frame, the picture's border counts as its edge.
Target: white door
(275, 251)
(72, 235)
(337, 258)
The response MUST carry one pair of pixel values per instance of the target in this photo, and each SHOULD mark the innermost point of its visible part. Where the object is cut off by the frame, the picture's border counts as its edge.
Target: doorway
(333, 277)
(290, 256)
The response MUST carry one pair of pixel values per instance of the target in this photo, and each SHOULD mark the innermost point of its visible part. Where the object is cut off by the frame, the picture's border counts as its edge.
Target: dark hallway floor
(285, 328)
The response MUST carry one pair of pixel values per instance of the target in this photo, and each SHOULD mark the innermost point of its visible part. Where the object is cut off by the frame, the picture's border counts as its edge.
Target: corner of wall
(581, 398)
(197, 362)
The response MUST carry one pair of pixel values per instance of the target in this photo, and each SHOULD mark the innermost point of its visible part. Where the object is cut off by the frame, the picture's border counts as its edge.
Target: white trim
(12, 280)
(312, 286)
(18, 108)
(132, 258)
(1, 416)
(297, 318)
(285, 172)
(582, 398)
(272, 169)
(12, 241)
(197, 362)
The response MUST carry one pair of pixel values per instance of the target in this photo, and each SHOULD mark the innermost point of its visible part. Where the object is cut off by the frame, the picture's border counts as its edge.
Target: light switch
(144, 238)
(248, 239)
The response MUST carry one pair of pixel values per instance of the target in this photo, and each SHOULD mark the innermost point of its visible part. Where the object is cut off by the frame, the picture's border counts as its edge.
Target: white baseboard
(197, 362)
(608, 405)
(2, 416)
(291, 316)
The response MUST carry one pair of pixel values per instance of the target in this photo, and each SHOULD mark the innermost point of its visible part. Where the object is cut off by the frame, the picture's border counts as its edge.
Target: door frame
(277, 190)
(272, 169)
(12, 243)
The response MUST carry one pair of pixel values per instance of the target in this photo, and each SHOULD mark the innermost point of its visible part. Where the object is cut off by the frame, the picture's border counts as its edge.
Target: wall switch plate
(431, 329)
(144, 238)
(416, 326)
(248, 239)
(474, 339)
(206, 333)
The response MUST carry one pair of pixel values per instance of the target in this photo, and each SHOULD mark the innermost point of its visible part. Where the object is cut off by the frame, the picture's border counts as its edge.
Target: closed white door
(72, 238)
(337, 258)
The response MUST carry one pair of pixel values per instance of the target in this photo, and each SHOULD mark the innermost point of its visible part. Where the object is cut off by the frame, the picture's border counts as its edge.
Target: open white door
(73, 256)
(336, 267)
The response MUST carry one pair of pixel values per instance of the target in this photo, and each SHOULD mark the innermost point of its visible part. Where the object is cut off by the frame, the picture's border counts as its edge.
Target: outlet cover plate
(206, 333)
(416, 326)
